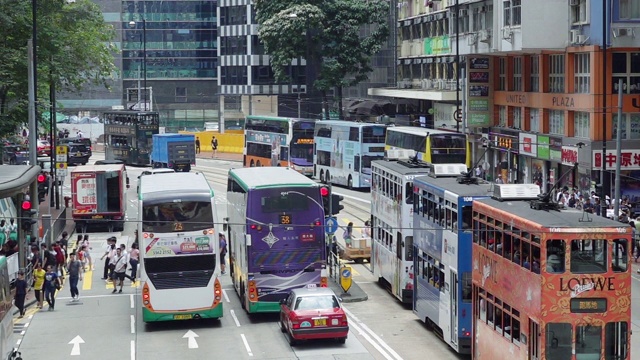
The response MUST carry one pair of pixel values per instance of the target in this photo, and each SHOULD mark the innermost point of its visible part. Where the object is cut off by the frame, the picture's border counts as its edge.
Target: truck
(99, 196)
(173, 151)
(359, 251)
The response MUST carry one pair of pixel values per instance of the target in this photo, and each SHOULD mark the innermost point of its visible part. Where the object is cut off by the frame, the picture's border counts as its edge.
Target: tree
(74, 49)
(328, 33)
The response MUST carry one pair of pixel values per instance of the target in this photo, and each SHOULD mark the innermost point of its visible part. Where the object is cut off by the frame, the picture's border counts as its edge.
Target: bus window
(324, 158)
(588, 341)
(588, 256)
(466, 287)
(615, 340)
(619, 256)
(354, 134)
(356, 164)
(558, 344)
(466, 218)
(555, 256)
(408, 248)
(399, 245)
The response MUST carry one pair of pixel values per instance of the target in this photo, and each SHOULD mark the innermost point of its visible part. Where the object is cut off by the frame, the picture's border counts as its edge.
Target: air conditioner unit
(573, 36)
(620, 32)
(507, 34)
(472, 39)
(574, 2)
(484, 36)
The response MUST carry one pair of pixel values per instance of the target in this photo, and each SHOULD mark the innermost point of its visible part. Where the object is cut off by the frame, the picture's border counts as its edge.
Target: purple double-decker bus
(275, 235)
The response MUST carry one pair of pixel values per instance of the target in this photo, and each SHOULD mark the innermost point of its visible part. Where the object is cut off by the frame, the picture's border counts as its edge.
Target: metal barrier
(333, 261)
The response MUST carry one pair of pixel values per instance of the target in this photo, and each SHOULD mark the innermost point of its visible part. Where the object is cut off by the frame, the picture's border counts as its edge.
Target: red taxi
(43, 147)
(313, 313)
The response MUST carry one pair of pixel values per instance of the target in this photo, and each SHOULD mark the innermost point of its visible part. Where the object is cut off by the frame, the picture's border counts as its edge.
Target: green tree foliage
(74, 49)
(329, 32)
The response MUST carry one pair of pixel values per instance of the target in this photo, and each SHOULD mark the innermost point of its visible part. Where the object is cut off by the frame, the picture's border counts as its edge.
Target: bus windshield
(367, 159)
(373, 134)
(177, 216)
(448, 149)
(302, 154)
(302, 205)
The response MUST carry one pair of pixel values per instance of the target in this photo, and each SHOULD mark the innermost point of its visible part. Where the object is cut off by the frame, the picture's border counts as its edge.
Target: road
(108, 326)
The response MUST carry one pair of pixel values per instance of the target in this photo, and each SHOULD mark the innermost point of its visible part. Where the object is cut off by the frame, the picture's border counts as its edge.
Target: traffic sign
(345, 278)
(60, 158)
(61, 149)
(457, 115)
(330, 225)
(62, 172)
(61, 165)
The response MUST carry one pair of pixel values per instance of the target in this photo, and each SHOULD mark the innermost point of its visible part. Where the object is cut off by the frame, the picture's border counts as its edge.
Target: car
(77, 154)
(15, 154)
(156, 171)
(311, 313)
(43, 147)
(77, 140)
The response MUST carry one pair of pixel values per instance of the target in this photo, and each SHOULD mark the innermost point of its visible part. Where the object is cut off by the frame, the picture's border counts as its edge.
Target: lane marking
(370, 340)
(353, 197)
(132, 301)
(373, 334)
(246, 344)
(233, 315)
(226, 297)
(133, 350)
(87, 280)
(133, 324)
(19, 342)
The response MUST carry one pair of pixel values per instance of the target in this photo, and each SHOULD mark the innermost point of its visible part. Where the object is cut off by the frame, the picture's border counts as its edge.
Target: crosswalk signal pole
(330, 202)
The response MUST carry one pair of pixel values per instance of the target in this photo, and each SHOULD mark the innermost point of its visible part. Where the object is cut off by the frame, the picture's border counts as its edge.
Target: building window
(512, 12)
(502, 85)
(517, 74)
(582, 75)
(181, 94)
(463, 17)
(579, 12)
(581, 124)
(556, 73)
(517, 118)
(626, 67)
(556, 122)
(534, 120)
(482, 17)
(502, 116)
(630, 126)
(535, 73)
(629, 9)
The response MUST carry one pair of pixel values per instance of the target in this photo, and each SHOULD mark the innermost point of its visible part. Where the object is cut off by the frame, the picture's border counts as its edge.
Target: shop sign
(543, 147)
(479, 91)
(506, 142)
(555, 149)
(629, 159)
(569, 155)
(528, 144)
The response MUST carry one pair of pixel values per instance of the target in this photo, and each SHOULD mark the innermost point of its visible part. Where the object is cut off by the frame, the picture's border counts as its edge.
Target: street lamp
(144, 60)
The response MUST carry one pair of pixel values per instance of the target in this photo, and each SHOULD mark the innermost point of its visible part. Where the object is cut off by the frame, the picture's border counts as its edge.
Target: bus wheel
(327, 177)
(350, 183)
(252, 164)
(244, 306)
(322, 176)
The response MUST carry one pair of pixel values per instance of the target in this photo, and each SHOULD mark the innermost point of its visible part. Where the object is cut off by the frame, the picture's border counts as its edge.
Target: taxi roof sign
(311, 286)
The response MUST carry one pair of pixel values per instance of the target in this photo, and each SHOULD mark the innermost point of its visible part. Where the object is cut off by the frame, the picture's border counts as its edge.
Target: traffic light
(599, 192)
(335, 204)
(43, 186)
(26, 216)
(325, 192)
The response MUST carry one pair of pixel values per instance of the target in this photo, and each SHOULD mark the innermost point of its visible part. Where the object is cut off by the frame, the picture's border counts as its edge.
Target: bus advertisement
(442, 256)
(391, 218)
(276, 235)
(278, 141)
(549, 284)
(431, 146)
(179, 248)
(344, 151)
(128, 136)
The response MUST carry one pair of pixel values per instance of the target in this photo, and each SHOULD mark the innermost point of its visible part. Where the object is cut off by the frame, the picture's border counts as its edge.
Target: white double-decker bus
(178, 248)
(344, 151)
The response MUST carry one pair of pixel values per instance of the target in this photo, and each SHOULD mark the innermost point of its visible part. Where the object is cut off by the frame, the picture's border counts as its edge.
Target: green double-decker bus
(128, 135)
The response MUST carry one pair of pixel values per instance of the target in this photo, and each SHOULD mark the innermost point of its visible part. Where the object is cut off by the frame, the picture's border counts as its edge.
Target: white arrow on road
(193, 344)
(75, 350)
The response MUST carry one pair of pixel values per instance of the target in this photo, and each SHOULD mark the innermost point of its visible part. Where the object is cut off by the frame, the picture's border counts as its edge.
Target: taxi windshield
(316, 302)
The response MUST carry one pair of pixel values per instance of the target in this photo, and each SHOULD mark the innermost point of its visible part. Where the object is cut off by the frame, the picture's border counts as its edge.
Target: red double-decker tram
(548, 284)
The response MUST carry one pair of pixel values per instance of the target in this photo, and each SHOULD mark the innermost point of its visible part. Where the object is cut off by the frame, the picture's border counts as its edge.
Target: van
(77, 154)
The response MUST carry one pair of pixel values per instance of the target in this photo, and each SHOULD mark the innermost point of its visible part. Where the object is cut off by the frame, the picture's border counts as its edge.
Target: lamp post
(604, 109)
(457, 11)
(144, 61)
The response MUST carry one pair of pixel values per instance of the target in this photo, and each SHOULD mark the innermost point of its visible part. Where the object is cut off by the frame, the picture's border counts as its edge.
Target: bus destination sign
(588, 305)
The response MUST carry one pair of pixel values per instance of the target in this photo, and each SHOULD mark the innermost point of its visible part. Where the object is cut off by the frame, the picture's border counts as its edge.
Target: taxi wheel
(282, 328)
(292, 341)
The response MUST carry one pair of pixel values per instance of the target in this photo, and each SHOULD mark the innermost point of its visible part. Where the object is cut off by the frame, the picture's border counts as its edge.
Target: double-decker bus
(279, 141)
(552, 285)
(344, 151)
(442, 255)
(179, 248)
(431, 146)
(276, 235)
(391, 219)
(128, 135)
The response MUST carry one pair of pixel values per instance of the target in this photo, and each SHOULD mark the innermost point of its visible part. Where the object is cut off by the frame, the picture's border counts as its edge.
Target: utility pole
(33, 129)
(616, 210)
(603, 174)
(457, 11)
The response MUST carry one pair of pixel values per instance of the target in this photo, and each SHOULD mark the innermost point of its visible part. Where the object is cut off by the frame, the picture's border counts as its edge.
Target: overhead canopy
(15, 178)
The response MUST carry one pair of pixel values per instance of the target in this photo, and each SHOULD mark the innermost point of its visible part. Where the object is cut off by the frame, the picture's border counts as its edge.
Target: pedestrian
(134, 259)
(35, 256)
(79, 134)
(48, 257)
(51, 284)
(78, 241)
(64, 243)
(109, 251)
(60, 258)
(123, 251)
(223, 252)
(119, 269)
(214, 147)
(347, 235)
(38, 283)
(334, 249)
(197, 145)
(75, 269)
(21, 293)
(13, 230)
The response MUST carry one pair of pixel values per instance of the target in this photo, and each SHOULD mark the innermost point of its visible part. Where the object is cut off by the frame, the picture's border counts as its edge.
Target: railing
(333, 261)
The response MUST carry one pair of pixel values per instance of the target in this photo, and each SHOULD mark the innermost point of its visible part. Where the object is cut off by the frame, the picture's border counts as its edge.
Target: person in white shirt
(79, 134)
(123, 251)
(109, 251)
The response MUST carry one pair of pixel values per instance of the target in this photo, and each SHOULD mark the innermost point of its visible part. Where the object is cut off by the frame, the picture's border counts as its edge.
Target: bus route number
(284, 193)
(468, 198)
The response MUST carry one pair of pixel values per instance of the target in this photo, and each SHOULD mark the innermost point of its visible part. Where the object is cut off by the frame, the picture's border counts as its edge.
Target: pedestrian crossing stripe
(87, 279)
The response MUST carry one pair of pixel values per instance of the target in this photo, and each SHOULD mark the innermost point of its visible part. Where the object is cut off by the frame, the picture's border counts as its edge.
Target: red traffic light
(41, 178)
(26, 205)
(324, 191)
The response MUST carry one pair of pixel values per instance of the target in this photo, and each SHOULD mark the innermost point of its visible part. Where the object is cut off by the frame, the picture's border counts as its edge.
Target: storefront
(505, 155)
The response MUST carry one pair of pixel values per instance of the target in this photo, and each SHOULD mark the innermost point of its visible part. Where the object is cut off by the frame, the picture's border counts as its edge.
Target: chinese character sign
(629, 159)
(86, 191)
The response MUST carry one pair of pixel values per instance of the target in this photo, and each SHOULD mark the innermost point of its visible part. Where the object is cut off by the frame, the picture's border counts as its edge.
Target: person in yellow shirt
(38, 283)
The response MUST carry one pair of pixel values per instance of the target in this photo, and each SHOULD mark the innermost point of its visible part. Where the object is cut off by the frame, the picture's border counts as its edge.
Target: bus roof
(276, 118)
(550, 219)
(98, 168)
(269, 177)
(419, 130)
(450, 184)
(401, 168)
(348, 123)
(183, 183)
